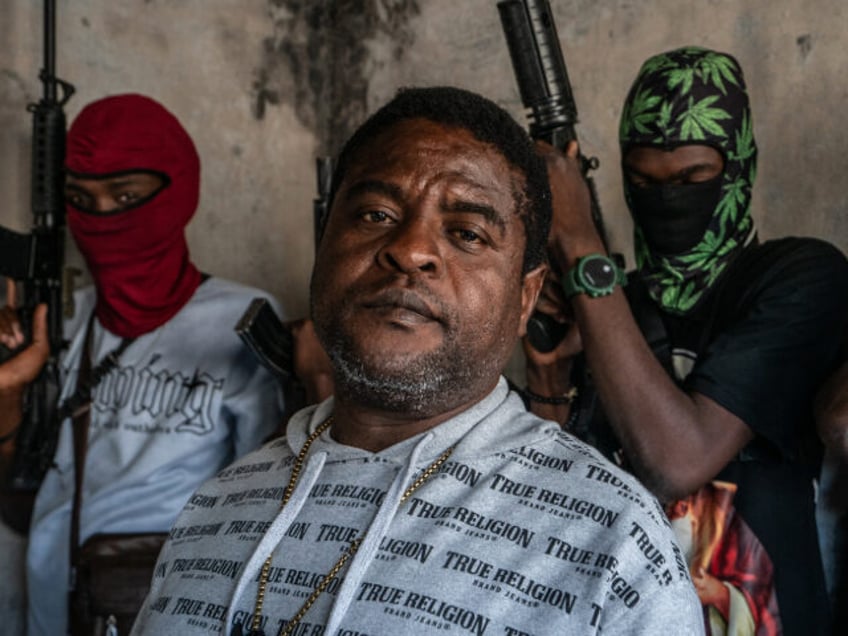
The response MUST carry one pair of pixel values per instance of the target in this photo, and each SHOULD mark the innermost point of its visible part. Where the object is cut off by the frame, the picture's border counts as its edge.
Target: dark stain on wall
(318, 60)
(11, 79)
(805, 45)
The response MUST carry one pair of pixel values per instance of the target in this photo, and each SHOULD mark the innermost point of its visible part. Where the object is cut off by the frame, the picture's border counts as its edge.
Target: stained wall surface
(264, 86)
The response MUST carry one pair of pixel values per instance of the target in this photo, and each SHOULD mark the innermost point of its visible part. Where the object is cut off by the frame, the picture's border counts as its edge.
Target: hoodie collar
(476, 430)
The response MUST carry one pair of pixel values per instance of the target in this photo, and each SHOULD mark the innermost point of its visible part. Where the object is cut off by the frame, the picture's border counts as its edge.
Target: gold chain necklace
(288, 628)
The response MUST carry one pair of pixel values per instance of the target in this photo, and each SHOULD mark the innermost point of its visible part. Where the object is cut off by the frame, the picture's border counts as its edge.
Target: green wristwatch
(594, 275)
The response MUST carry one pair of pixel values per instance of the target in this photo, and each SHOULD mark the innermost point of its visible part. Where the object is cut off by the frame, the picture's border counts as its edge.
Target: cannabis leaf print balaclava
(693, 96)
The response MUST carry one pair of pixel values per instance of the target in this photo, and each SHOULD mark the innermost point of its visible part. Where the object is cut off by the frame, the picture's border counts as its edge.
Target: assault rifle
(36, 262)
(537, 60)
(259, 327)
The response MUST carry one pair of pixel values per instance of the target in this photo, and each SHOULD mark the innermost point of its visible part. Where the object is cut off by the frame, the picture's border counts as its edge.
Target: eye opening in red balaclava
(75, 188)
(138, 256)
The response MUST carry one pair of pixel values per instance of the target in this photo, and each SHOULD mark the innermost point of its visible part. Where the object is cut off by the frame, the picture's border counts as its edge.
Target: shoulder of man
(220, 289)
(810, 269)
(218, 304)
(778, 258)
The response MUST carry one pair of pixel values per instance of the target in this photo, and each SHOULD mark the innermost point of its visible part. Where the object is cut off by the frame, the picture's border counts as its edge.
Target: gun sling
(110, 573)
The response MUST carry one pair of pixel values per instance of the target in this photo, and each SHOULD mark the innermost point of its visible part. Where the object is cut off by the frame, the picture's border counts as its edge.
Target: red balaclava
(138, 257)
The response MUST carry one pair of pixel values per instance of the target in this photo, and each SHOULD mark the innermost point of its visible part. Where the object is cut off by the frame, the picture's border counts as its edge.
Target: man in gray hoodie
(423, 497)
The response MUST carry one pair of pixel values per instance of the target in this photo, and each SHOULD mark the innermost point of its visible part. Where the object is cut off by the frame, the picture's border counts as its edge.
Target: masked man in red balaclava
(185, 397)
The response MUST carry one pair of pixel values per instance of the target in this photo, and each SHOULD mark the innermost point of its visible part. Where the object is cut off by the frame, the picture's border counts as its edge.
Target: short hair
(488, 123)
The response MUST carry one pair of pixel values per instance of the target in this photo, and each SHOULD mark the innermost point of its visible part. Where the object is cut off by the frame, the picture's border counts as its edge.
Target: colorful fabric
(694, 96)
(721, 546)
(138, 257)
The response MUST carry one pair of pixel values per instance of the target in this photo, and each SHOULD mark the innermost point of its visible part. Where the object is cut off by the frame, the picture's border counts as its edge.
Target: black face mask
(674, 217)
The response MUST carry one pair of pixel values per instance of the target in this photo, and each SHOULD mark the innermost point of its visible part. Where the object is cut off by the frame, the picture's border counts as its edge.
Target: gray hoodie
(524, 530)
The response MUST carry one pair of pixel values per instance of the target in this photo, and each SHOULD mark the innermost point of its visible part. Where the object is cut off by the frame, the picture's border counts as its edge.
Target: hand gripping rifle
(36, 262)
(259, 327)
(531, 37)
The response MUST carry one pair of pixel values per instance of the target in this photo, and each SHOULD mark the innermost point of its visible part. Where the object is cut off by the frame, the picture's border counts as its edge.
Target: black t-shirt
(760, 345)
(772, 336)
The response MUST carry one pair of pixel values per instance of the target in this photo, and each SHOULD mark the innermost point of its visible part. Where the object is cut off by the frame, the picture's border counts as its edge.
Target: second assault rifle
(259, 327)
(35, 260)
(537, 60)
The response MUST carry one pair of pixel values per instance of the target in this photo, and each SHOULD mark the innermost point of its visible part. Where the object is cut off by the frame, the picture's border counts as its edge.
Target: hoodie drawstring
(362, 550)
(372, 538)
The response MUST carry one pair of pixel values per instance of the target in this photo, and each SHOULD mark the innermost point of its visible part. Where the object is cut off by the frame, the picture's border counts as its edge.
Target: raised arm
(676, 441)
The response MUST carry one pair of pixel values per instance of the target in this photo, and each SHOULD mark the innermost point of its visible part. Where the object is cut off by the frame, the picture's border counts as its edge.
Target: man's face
(417, 292)
(112, 194)
(645, 165)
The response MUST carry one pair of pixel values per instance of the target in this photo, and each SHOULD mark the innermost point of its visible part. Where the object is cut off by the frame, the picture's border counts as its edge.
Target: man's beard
(419, 385)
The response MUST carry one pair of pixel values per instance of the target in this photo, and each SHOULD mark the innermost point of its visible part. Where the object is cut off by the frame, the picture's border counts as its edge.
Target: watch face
(598, 273)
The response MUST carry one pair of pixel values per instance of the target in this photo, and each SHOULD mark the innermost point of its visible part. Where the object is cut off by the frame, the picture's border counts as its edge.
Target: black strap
(726, 304)
(78, 408)
(648, 317)
(88, 380)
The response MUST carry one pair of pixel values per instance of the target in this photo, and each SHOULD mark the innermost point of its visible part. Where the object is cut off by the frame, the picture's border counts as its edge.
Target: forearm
(675, 441)
(11, 413)
(831, 410)
(651, 416)
(551, 381)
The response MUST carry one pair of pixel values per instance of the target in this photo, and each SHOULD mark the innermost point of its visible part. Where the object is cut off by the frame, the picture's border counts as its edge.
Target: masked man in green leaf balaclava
(688, 229)
(703, 368)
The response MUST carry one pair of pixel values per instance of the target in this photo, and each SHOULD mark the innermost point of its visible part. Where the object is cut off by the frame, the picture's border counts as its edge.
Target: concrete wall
(266, 85)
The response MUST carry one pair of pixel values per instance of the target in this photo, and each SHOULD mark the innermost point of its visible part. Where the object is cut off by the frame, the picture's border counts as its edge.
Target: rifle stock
(545, 90)
(36, 262)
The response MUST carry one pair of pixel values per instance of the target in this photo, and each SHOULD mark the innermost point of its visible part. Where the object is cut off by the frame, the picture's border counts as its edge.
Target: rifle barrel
(539, 67)
(49, 71)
